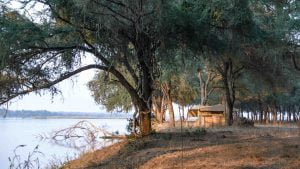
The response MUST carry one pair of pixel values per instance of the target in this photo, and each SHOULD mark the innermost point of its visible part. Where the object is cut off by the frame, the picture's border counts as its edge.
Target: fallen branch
(81, 135)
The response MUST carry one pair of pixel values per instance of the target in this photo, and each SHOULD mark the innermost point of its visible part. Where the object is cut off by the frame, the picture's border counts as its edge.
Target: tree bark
(145, 55)
(171, 112)
(260, 106)
(228, 81)
(158, 106)
(167, 93)
(204, 84)
(145, 123)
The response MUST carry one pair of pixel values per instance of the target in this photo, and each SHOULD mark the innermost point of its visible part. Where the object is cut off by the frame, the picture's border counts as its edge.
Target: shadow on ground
(239, 148)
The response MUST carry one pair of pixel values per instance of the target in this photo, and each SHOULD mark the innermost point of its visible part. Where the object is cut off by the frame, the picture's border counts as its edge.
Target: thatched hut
(209, 116)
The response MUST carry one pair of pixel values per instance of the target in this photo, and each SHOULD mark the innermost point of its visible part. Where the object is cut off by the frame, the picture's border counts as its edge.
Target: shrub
(199, 132)
(136, 145)
(243, 122)
(164, 136)
(167, 136)
(30, 162)
(129, 126)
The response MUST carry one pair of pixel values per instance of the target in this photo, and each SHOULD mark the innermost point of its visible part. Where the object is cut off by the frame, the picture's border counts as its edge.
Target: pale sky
(76, 97)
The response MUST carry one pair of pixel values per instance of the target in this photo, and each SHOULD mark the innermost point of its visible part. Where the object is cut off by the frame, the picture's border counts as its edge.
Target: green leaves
(138, 39)
(107, 91)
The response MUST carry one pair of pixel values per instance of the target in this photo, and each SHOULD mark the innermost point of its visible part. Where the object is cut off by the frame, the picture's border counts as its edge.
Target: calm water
(16, 132)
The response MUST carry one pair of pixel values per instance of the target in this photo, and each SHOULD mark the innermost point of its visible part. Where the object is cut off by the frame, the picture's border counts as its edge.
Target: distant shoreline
(63, 117)
(79, 117)
(44, 114)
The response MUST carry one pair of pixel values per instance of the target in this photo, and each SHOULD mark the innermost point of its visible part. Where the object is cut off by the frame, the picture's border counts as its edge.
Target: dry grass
(240, 148)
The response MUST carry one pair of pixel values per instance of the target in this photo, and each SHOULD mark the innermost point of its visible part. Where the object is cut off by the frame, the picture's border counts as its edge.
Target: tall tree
(39, 55)
(207, 78)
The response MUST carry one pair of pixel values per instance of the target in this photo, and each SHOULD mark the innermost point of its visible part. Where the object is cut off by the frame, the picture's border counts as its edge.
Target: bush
(129, 126)
(199, 132)
(136, 145)
(164, 136)
(243, 122)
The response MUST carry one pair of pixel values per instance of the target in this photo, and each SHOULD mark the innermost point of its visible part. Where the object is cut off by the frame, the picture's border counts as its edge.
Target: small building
(208, 116)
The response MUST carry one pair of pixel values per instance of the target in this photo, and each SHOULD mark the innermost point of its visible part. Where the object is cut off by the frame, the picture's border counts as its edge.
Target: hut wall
(211, 119)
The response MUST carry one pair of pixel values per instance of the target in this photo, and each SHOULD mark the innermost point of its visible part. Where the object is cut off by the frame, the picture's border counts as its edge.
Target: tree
(207, 78)
(237, 37)
(118, 34)
(108, 92)
(159, 103)
(166, 89)
(128, 40)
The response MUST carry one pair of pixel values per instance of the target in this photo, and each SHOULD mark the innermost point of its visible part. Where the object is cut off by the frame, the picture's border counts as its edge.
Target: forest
(151, 54)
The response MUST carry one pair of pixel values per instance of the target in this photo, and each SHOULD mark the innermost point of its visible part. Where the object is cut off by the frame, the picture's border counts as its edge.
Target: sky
(75, 97)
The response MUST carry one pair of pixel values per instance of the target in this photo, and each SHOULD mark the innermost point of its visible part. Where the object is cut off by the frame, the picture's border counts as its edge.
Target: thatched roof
(214, 108)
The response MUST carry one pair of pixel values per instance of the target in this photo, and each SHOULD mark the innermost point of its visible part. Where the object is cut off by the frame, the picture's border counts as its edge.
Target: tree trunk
(146, 93)
(228, 81)
(166, 87)
(181, 112)
(145, 123)
(134, 120)
(204, 84)
(280, 116)
(248, 115)
(158, 106)
(265, 116)
(260, 107)
(229, 112)
(171, 112)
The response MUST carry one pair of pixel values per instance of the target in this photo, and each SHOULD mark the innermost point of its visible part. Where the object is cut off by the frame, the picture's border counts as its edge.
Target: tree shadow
(136, 153)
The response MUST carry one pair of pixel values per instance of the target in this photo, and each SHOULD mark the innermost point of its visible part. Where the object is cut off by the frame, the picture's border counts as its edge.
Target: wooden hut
(208, 116)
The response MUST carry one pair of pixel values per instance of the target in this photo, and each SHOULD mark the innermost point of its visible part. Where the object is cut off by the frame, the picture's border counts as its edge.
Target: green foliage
(179, 70)
(135, 42)
(182, 92)
(129, 126)
(107, 91)
(254, 90)
(199, 132)
(243, 122)
(164, 136)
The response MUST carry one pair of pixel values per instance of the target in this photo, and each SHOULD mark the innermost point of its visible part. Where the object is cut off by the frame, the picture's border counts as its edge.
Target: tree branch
(295, 63)
(130, 69)
(113, 11)
(52, 83)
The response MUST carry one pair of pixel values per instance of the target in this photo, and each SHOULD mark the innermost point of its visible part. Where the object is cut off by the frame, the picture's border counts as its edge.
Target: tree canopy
(135, 44)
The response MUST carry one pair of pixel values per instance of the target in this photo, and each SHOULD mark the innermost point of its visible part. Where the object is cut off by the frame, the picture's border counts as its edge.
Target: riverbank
(239, 148)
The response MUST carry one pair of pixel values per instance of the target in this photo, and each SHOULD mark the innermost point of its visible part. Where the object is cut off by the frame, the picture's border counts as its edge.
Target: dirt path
(260, 147)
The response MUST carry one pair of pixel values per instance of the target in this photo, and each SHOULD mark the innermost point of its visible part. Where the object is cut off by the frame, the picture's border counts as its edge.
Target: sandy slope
(260, 147)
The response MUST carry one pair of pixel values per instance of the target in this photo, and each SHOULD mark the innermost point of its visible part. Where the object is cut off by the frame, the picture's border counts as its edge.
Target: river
(15, 132)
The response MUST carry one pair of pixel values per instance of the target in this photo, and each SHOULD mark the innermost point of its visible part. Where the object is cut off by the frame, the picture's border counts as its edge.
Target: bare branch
(49, 84)
(113, 11)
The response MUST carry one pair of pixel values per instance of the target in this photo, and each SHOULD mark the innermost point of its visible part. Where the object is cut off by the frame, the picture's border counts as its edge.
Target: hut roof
(214, 108)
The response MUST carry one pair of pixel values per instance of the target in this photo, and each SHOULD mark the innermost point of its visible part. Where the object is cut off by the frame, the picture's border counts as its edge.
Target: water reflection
(33, 132)
(82, 136)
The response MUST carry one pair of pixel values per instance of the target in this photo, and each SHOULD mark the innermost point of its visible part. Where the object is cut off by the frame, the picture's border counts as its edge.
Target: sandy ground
(262, 147)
